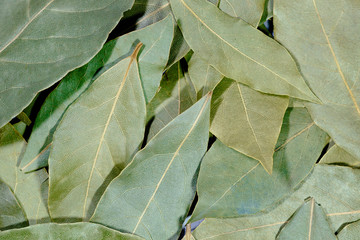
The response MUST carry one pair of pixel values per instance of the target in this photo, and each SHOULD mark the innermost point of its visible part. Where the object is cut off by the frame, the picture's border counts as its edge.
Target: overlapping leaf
(231, 184)
(11, 213)
(337, 155)
(152, 195)
(96, 138)
(78, 231)
(335, 188)
(41, 41)
(238, 111)
(27, 188)
(308, 222)
(156, 39)
(238, 50)
(329, 61)
(350, 231)
(175, 96)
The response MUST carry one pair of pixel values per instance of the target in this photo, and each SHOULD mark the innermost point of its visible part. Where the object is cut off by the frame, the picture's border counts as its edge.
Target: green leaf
(249, 11)
(308, 222)
(27, 188)
(69, 231)
(203, 76)
(152, 195)
(238, 50)
(96, 139)
(42, 41)
(175, 96)
(350, 231)
(247, 121)
(337, 155)
(11, 214)
(335, 188)
(156, 39)
(329, 61)
(231, 184)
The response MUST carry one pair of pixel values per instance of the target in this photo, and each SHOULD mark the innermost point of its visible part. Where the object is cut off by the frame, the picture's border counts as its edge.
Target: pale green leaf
(203, 76)
(96, 139)
(41, 41)
(337, 155)
(308, 222)
(329, 61)
(238, 50)
(231, 184)
(247, 121)
(11, 213)
(335, 188)
(152, 195)
(350, 231)
(175, 96)
(156, 39)
(249, 11)
(26, 187)
(69, 231)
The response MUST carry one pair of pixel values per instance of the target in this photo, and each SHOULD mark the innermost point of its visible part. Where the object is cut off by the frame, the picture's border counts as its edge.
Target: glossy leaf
(337, 155)
(203, 76)
(329, 61)
(41, 41)
(238, 50)
(156, 39)
(247, 121)
(68, 231)
(308, 222)
(231, 184)
(175, 96)
(152, 195)
(335, 188)
(350, 231)
(27, 188)
(96, 139)
(249, 11)
(11, 213)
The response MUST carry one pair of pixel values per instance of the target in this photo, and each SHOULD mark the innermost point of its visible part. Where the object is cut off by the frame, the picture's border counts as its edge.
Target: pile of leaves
(121, 118)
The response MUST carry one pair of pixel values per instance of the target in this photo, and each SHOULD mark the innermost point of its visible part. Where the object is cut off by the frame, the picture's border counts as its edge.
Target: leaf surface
(252, 59)
(335, 188)
(231, 184)
(337, 155)
(11, 214)
(329, 61)
(156, 39)
(41, 41)
(308, 222)
(175, 96)
(152, 195)
(350, 231)
(96, 139)
(247, 121)
(67, 231)
(27, 188)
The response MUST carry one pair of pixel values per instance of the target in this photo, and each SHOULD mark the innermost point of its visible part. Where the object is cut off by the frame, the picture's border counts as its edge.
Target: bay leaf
(247, 120)
(308, 222)
(337, 155)
(152, 195)
(156, 39)
(231, 184)
(41, 41)
(335, 188)
(26, 187)
(350, 231)
(329, 60)
(67, 231)
(96, 139)
(175, 96)
(11, 213)
(238, 50)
